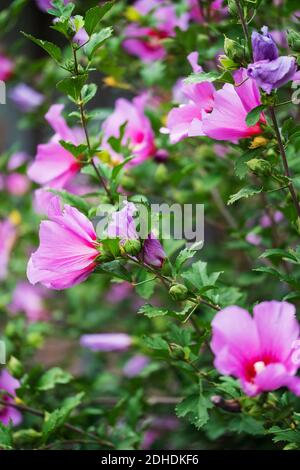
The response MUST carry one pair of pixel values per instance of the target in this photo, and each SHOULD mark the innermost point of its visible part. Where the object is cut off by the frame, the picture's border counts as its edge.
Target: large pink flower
(186, 120)
(138, 132)
(68, 249)
(219, 114)
(54, 166)
(8, 237)
(7, 413)
(146, 42)
(6, 68)
(260, 351)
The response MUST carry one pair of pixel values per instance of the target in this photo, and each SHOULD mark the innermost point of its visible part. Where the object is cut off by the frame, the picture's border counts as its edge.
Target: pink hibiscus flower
(260, 350)
(8, 414)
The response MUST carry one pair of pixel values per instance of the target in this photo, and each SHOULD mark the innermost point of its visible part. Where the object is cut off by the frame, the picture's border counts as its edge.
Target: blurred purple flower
(17, 184)
(106, 342)
(135, 365)
(6, 68)
(122, 223)
(119, 292)
(16, 160)
(26, 98)
(8, 235)
(30, 300)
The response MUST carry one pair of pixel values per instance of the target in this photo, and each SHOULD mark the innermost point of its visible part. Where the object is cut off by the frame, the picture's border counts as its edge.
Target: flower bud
(178, 292)
(15, 367)
(234, 50)
(259, 166)
(132, 247)
(161, 174)
(294, 40)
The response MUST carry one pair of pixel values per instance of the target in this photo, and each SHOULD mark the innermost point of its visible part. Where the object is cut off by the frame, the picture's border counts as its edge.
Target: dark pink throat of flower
(257, 365)
(153, 42)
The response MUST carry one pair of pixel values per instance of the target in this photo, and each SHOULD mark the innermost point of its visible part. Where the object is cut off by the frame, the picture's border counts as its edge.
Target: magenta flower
(215, 10)
(8, 235)
(274, 73)
(81, 37)
(119, 292)
(6, 68)
(186, 120)
(145, 42)
(54, 166)
(17, 184)
(152, 252)
(106, 342)
(258, 350)
(8, 414)
(26, 98)
(30, 300)
(47, 4)
(68, 249)
(138, 133)
(263, 45)
(16, 160)
(135, 365)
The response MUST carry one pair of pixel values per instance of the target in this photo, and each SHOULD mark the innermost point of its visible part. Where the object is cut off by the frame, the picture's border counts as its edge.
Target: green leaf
(254, 115)
(72, 199)
(114, 268)
(72, 86)
(186, 254)
(245, 192)
(53, 50)
(202, 77)
(145, 284)
(55, 420)
(195, 409)
(156, 342)
(53, 377)
(88, 92)
(240, 166)
(198, 277)
(152, 312)
(96, 40)
(76, 150)
(94, 16)
(6, 440)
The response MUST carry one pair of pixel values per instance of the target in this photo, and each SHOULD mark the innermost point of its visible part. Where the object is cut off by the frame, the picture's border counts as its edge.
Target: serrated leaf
(53, 377)
(94, 16)
(6, 439)
(114, 268)
(254, 115)
(243, 193)
(96, 40)
(151, 312)
(72, 86)
(240, 166)
(76, 150)
(53, 50)
(195, 409)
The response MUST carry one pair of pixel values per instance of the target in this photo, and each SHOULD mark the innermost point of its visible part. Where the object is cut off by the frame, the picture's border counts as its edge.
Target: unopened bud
(294, 40)
(233, 406)
(15, 367)
(132, 247)
(234, 50)
(178, 292)
(259, 167)
(161, 174)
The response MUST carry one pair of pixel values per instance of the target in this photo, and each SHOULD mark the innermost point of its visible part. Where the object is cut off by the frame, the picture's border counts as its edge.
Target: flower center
(259, 366)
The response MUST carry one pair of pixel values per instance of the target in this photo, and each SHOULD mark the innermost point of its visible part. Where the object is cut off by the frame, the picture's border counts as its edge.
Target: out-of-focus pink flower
(17, 184)
(145, 42)
(159, 427)
(68, 249)
(81, 37)
(30, 300)
(135, 365)
(122, 223)
(152, 252)
(54, 166)
(47, 4)
(118, 292)
(106, 342)
(16, 160)
(9, 414)
(258, 350)
(26, 98)
(254, 239)
(186, 120)
(138, 131)
(215, 10)
(6, 68)
(266, 220)
(8, 235)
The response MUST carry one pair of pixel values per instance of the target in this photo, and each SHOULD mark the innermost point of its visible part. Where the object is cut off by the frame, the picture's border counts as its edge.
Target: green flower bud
(232, 8)
(259, 167)
(161, 174)
(234, 50)
(15, 367)
(178, 292)
(132, 247)
(294, 40)
(227, 63)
